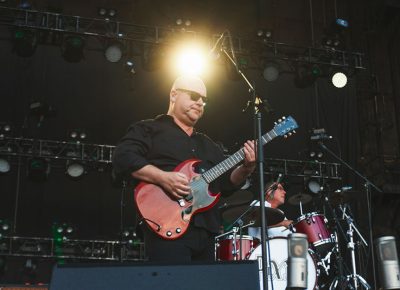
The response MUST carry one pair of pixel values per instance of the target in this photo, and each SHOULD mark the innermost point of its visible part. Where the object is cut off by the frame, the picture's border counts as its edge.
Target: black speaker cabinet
(214, 276)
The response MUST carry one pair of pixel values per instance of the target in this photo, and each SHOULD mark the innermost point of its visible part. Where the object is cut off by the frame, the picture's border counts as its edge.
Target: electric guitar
(170, 218)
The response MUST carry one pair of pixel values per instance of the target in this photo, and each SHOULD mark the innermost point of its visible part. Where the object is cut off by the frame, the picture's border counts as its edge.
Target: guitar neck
(222, 167)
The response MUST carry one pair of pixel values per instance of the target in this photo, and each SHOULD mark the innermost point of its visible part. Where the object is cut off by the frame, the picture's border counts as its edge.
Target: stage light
(24, 4)
(306, 75)
(5, 228)
(112, 12)
(342, 22)
(333, 34)
(388, 263)
(339, 79)
(181, 22)
(63, 231)
(102, 11)
(25, 42)
(107, 13)
(38, 169)
(129, 236)
(4, 166)
(314, 186)
(75, 169)
(77, 135)
(130, 67)
(5, 130)
(264, 34)
(72, 48)
(113, 52)
(271, 71)
(190, 60)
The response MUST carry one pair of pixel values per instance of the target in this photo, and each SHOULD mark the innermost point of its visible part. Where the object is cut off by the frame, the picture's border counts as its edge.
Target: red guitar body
(170, 218)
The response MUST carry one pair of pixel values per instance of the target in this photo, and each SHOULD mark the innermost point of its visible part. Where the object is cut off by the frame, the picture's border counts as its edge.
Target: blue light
(342, 22)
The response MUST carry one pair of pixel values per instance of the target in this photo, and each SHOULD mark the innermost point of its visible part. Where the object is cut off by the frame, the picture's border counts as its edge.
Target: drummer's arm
(284, 223)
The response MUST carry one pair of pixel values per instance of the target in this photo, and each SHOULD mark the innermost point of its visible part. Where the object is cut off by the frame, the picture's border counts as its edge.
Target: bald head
(190, 83)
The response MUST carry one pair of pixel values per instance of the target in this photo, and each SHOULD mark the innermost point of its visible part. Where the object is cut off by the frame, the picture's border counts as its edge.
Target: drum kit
(324, 266)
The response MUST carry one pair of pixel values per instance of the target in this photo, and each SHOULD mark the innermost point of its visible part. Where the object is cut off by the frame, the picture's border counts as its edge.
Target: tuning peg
(275, 123)
(284, 136)
(280, 120)
(290, 133)
(283, 118)
(294, 131)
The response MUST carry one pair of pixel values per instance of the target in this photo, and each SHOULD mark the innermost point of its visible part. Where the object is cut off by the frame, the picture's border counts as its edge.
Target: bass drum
(279, 256)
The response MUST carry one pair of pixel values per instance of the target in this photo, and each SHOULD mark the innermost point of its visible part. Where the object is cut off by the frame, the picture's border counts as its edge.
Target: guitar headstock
(286, 126)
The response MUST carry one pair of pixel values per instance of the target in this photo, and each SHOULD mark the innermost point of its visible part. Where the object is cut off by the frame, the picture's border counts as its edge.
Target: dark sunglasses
(194, 96)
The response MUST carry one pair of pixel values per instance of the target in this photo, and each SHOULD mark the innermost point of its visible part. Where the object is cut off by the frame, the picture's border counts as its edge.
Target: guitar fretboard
(222, 167)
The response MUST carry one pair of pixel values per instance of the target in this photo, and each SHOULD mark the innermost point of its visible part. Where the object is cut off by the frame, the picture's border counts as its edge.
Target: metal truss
(62, 150)
(72, 249)
(123, 31)
(102, 154)
(310, 169)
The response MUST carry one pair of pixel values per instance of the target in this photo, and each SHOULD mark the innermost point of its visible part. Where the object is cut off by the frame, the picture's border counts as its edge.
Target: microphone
(213, 51)
(275, 185)
(297, 264)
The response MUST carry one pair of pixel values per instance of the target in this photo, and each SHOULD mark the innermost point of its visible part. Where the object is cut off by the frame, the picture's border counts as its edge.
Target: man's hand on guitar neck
(175, 184)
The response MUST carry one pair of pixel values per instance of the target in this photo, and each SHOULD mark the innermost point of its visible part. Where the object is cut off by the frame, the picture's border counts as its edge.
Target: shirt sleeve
(130, 153)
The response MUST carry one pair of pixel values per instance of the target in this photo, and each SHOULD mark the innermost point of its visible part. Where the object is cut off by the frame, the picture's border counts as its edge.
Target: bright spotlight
(339, 79)
(191, 61)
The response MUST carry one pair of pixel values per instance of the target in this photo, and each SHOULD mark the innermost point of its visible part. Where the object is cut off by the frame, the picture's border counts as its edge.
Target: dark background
(103, 99)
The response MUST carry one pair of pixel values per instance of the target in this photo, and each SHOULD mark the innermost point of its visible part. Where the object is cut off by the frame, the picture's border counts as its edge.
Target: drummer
(274, 197)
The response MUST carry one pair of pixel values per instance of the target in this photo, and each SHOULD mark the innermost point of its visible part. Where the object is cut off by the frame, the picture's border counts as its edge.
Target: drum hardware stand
(353, 278)
(368, 184)
(234, 230)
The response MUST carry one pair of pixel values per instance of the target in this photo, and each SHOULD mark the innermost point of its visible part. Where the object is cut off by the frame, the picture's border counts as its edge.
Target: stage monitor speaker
(212, 276)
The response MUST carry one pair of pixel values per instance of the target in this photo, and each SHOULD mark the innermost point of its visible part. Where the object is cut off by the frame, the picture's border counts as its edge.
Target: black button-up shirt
(162, 143)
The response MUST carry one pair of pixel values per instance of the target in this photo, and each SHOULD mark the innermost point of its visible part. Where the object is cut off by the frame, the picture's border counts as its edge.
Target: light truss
(123, 31)
(62, 150)
(105, 250)
(102, 154)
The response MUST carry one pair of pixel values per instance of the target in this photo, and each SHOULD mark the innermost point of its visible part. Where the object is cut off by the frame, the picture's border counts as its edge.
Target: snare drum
(315, 227)
(227, 250)
(279, 257)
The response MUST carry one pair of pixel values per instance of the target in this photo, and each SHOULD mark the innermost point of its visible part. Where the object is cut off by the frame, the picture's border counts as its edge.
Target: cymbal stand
(301, 208)
(353, 277)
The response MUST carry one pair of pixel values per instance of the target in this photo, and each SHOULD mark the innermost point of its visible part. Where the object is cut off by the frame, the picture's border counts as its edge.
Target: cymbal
(339, 197)
(300, 197)
(273, 215)
(238, 198)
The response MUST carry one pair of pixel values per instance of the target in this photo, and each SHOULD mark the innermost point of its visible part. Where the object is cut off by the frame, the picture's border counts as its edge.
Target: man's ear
(172, 96)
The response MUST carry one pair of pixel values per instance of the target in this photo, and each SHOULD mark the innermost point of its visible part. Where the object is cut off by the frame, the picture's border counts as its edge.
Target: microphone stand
(367, 185)
(258, 104)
